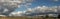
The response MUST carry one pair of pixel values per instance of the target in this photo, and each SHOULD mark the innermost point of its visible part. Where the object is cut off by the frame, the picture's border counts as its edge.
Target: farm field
(26, 18)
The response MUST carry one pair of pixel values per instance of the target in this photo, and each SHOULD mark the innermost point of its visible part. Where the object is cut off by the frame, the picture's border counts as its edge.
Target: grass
(23, 18)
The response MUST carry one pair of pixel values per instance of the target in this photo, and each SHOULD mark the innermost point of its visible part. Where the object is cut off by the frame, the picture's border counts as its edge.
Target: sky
(36, 3)
(32, 7)
(38, 6)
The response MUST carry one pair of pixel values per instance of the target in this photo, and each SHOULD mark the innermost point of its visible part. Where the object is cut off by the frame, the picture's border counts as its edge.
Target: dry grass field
(23, 18)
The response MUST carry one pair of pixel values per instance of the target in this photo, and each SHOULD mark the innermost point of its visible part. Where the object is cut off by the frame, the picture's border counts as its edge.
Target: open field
(24, 18)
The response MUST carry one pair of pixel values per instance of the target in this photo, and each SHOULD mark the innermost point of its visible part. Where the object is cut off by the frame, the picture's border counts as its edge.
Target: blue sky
(36, 3)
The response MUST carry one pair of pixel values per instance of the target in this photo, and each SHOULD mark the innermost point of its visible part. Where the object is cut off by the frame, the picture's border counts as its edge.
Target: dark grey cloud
(8, 7)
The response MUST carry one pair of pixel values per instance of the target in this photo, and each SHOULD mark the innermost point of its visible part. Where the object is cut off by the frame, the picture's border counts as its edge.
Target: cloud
(27, 1)
(7, 7)
(3, 15)
(19, 6)
(36, 10)
(41, 9)
(46, 9)
(53, 15)
(56, 0)
(5, 10)
(19, 13)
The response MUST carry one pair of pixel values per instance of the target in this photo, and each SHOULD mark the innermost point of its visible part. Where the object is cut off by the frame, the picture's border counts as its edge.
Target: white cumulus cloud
(43, 9)
(19, 13)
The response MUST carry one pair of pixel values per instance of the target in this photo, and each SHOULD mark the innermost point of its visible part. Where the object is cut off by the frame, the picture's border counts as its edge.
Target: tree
(46, 16)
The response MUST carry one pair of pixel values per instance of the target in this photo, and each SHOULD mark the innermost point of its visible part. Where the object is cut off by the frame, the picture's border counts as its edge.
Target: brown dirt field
(23, 18)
